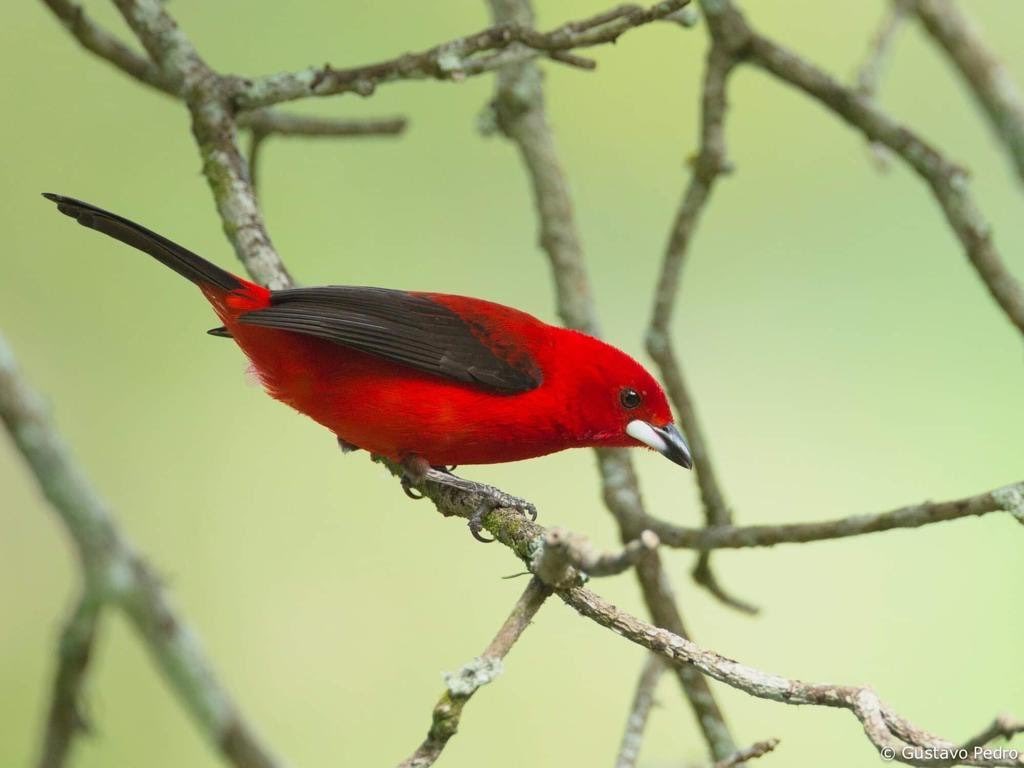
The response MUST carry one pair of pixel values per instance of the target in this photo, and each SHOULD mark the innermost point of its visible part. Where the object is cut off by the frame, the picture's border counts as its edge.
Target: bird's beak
(665, 440)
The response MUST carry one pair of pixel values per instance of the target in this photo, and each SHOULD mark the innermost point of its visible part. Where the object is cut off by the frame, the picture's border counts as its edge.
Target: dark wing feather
(402, 327)
(187, 264)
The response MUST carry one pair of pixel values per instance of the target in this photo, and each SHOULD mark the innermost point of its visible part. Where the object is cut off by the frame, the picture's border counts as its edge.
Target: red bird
(426, 379)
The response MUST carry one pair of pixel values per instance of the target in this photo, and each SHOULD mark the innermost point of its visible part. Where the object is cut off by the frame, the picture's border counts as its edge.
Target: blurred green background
(845, 358)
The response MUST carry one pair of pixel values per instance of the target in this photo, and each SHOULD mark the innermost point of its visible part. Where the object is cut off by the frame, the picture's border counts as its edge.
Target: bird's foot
(491, 498)
(417, 471)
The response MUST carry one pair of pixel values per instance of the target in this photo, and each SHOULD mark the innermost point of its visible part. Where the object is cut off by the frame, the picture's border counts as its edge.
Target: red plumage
(435, 377)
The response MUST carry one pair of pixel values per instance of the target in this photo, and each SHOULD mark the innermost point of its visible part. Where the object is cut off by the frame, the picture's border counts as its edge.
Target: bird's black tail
(187, 264)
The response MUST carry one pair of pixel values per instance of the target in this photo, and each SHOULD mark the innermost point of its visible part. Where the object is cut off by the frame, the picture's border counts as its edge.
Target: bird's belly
(393, 410)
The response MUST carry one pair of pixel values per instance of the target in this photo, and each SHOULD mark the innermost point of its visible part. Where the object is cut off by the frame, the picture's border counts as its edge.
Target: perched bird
(426, 379)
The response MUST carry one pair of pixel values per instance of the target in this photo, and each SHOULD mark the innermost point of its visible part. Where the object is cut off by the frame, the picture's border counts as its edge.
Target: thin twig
(264, 123)
(519, 113)
(490, 49)
(947, 181)
(639, 711)
(1007, 499)
(480, 671)
(1003, 727)
(564, 554)
(869, 75)
(252, 157)
(987, 78)
(705, 577)
(66, 718)
(709, 164)
(105, 45)
(280, 123)
(886, 729)
(754, 751)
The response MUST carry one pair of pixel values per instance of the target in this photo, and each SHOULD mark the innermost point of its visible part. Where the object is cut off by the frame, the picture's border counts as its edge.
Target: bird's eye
(629, 398)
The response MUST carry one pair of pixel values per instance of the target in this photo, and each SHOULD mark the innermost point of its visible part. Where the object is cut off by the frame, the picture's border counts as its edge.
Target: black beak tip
(682, 459)
(676, 449)
(666, 440)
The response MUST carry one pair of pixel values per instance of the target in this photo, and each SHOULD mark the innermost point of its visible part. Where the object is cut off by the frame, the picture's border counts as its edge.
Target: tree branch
(103, 44)
(880, 48)
(487, 50)
(1007, 499)
(566, 553)
(207, 95)
(754, 751)
(885, 728)
(1003, 727)
(120, 577)
(986, 77)
(519, 113)
(252, 158)
(947, 181)
(869, 75)
(264, 123)
(639, 711)
(463, 684)
(710, 163)
(116, 575)
(66, 718)
(278, 123)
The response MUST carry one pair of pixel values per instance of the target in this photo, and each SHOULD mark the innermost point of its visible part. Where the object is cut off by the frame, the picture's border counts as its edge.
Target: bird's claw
(476, 524)
(409, 490)
(495, 499)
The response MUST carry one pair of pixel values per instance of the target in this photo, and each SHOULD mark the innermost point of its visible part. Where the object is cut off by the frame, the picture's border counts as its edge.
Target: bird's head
(622, 405)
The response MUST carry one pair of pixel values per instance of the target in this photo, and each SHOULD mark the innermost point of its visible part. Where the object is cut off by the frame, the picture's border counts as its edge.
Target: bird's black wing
(407, 328)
